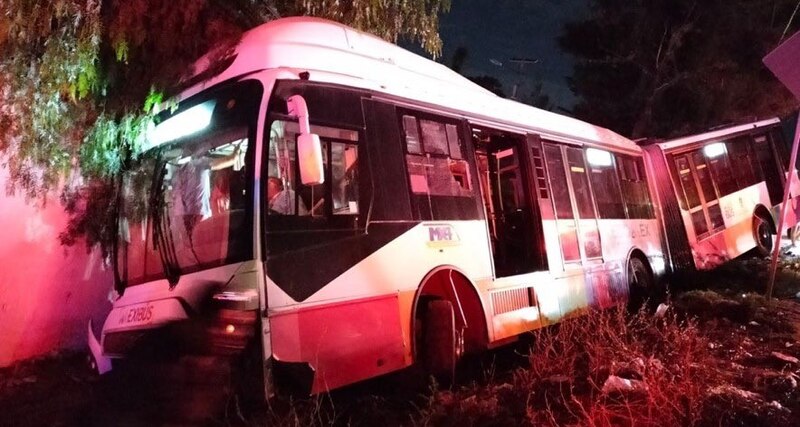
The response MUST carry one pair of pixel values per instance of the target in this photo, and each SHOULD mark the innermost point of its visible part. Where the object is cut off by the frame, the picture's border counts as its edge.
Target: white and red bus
(720, 192)
(354, 209)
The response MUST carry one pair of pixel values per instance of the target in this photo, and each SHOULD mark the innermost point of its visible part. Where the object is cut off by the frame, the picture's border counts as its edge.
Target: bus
(350, 209)
(721, 192)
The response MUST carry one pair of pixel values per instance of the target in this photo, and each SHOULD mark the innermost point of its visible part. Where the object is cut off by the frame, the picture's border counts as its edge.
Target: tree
(668, 67)
(79, 79)
(459, 58)
(539, 98)
(490, 83)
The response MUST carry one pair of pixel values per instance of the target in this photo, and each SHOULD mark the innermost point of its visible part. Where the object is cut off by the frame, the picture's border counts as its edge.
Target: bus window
(701, 168)
(707, 188)
(558, 182)
(770, 168)
(563, 205)
(454, 142)
(701, 196)
(584, 202)
(743, 162)
(282, 169)
(434, 137)
(344, 178)
(715, 215)
(437, 173)
(711, 204)
(605, 184)
(699, 223)
(285, 195)
(690, 196)
(412, 135)
(580, 183)
(720, 165)
(780, 143)
(634, 187)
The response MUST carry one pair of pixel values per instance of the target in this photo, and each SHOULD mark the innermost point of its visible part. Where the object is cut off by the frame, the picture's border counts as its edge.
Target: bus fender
(636, 252)
(762, 211)
(460, 304)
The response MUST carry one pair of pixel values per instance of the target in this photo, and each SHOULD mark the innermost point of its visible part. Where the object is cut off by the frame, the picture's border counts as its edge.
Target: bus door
(699, 193)
(575, 214)
(512, 213)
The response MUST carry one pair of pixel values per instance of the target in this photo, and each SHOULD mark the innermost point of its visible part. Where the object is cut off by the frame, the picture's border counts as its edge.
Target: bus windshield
(187, 204)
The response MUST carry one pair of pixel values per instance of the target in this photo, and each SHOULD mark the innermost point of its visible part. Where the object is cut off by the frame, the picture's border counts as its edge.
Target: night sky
(504, 29)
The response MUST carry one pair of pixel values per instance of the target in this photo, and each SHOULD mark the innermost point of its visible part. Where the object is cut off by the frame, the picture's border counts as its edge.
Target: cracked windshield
(187, 203)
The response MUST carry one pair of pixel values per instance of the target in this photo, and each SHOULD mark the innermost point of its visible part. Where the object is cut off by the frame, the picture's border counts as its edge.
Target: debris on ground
(785, 358)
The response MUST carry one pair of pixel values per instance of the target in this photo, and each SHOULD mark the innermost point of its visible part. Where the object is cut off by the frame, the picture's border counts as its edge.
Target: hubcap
(763, 234)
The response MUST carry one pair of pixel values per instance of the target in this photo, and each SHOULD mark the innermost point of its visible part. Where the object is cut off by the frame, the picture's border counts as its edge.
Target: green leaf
(121, 51)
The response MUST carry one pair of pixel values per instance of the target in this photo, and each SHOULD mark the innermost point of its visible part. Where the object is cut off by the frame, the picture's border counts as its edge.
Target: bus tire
(641, 285)
(440, 340)
(762, 234)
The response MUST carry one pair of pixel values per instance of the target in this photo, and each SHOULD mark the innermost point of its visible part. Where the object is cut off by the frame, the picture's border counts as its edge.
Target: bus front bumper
(98, 362)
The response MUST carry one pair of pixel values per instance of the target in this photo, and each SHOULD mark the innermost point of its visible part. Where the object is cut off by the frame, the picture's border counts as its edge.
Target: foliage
(92, 209)
(668, 67)
(79, 78)
(489, 83)
(537, 96)
(417, 19)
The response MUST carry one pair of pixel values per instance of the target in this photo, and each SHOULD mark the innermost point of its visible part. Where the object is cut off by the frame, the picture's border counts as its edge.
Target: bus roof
(333, 49)
(716, 134)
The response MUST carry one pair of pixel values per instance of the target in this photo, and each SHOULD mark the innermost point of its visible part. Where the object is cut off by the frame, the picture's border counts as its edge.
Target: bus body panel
(730, 232)
(737, 238)
(154, 305)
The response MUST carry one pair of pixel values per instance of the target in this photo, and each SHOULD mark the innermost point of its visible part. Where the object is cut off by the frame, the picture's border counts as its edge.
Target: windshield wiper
(163, 240)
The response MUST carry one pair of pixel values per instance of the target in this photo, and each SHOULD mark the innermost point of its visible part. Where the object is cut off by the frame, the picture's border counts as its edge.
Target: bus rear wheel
(641, 286)
(762, 235)
(440, 340)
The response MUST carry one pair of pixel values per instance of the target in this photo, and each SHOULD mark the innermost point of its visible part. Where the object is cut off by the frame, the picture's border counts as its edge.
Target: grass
(666, 358)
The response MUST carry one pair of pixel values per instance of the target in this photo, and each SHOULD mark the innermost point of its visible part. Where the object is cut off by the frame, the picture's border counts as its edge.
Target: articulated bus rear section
(349, 209)
(721, 192)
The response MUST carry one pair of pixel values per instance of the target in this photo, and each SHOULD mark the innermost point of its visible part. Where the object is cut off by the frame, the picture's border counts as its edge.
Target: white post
(773, 266)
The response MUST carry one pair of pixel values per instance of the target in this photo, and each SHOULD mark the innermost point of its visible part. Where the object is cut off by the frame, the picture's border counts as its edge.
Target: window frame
(642, 181)
(229, 88)
(327, 220)
(714, 170)
(612, 170)
(403, 113)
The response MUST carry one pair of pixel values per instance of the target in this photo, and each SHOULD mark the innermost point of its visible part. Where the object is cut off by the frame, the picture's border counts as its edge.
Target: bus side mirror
(309, 148)
(309, 155)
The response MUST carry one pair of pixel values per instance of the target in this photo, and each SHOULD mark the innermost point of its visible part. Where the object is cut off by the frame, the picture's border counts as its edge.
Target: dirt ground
(718, 355)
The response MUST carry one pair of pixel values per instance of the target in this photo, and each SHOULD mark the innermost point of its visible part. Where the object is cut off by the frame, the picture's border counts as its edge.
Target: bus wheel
(641, 286)
(440, 341)
(762, 235)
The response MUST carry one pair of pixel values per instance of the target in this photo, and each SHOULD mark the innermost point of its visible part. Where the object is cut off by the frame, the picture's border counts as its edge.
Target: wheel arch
(636, 252)
(637, 296)
(762, 211)
(473, 305)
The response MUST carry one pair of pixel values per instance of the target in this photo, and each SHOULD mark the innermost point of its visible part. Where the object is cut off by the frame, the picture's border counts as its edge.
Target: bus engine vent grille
(510, 300)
